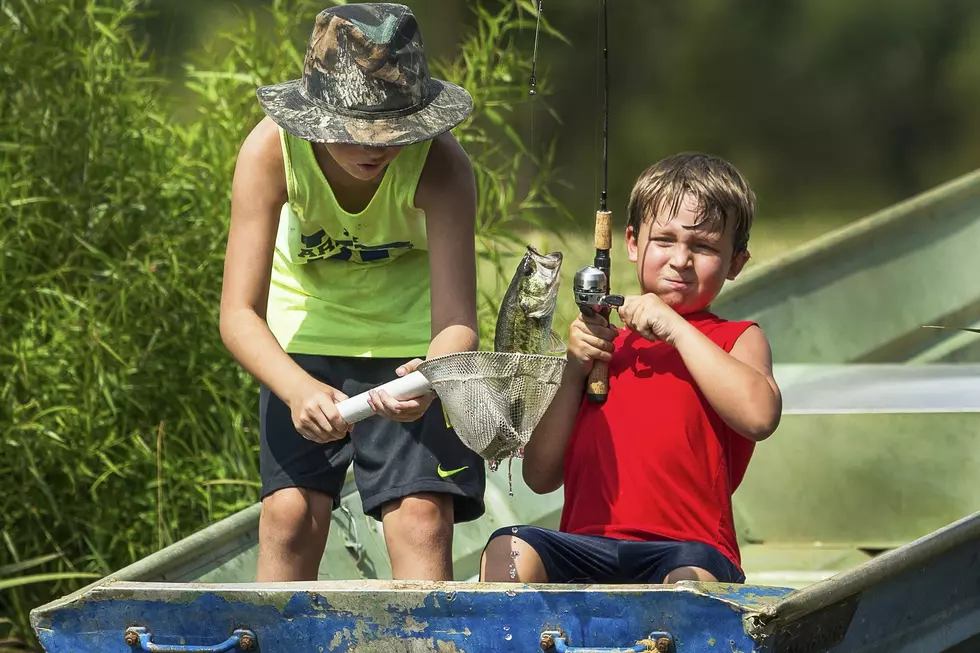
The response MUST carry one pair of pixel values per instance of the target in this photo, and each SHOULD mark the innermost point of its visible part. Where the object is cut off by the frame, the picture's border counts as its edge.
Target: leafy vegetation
(125, 424)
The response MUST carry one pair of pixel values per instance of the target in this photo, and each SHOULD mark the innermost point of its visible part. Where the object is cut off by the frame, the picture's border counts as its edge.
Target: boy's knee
(421, 520)
(689, 573)
(295, 517)
(692, 560)
(509, 559)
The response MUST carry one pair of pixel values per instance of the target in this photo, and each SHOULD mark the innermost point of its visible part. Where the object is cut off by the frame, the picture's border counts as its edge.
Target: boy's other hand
(408, 410)
(589, 339)
(649, 316)
(314, 412)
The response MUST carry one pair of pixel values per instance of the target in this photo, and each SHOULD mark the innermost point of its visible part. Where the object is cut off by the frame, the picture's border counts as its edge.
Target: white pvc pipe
(409, 386)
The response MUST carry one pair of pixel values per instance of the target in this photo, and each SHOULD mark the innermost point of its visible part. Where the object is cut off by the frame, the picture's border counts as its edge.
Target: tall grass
(125, 424)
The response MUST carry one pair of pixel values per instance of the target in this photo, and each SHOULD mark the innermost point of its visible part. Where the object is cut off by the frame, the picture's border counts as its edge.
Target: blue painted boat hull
(382, 615)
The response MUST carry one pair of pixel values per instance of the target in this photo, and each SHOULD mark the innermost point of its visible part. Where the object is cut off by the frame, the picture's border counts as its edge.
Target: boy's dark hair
(722, 193)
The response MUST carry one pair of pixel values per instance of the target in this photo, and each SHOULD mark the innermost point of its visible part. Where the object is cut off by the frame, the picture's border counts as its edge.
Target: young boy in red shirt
(649, 473)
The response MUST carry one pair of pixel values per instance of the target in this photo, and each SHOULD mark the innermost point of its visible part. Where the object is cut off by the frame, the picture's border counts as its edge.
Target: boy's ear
(631, 243)
(738, 262)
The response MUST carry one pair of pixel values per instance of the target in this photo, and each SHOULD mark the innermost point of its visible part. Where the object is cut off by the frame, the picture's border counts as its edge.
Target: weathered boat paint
(367, 616)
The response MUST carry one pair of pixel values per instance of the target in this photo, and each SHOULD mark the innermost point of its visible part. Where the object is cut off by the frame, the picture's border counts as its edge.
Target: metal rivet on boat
(548, 638)
(247, 643)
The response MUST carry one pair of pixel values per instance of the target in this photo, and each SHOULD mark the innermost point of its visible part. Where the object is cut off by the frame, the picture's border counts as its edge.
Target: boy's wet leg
(419, 535)
(293, 528)
(506, 552)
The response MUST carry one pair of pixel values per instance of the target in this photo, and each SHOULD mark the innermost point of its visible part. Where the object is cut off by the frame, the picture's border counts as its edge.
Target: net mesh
(493, 399)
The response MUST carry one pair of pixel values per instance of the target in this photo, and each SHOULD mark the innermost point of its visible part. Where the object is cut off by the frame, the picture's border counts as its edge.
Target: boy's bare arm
(590, 339)
(447, 194)
(740, 385)
(258, 193)
(544, 454)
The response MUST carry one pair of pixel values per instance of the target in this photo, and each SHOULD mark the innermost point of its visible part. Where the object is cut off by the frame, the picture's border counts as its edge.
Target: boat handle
(240, 639)
(659, 641)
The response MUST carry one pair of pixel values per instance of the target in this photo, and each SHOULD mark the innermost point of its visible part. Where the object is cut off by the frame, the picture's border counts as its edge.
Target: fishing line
(533, 82)
(534, 55)
(595, 102)
(602, 36)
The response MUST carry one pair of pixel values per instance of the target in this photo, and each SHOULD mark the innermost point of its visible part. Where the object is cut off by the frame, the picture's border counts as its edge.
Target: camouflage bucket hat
(366, 81)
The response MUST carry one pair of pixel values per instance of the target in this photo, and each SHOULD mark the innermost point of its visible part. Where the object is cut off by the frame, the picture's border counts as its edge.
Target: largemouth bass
(528, 308)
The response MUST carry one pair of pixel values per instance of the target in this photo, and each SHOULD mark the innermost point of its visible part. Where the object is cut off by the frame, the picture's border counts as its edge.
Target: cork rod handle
(598, 383)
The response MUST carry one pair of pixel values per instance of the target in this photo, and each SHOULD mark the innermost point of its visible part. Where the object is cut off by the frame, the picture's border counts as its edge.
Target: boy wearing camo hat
(350, 258)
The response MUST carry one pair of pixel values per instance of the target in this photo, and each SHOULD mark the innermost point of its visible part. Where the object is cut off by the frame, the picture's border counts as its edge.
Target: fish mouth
(540, 288)
(545, 266)
(550, 261)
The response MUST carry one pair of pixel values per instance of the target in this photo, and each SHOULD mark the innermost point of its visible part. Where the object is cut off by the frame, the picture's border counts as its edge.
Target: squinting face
(685, 267)
(360, 161)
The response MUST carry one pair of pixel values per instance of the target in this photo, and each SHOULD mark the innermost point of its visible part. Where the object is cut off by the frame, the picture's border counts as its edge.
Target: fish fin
(555, 344)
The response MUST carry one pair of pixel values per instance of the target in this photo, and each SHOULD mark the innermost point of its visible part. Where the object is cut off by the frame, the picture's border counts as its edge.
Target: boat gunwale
(889, 564)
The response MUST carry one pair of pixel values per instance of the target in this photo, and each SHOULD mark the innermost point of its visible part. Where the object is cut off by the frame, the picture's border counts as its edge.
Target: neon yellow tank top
(349, 284)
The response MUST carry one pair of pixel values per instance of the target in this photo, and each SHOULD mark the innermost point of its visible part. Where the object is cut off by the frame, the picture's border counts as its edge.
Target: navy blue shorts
(571, 558)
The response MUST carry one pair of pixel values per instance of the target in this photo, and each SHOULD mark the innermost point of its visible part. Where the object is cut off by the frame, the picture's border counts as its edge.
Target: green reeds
(124, 423)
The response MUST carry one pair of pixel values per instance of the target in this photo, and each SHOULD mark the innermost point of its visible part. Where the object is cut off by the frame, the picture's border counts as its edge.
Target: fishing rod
(591, 285)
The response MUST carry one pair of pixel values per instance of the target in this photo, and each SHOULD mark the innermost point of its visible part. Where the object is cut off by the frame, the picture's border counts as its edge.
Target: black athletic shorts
(391, 459)
(588, 559)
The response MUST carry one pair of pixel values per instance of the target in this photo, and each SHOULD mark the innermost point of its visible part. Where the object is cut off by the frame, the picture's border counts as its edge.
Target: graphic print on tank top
(320, 245)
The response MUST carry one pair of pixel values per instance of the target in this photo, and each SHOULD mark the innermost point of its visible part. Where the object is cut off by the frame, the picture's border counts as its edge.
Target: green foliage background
(124, 423)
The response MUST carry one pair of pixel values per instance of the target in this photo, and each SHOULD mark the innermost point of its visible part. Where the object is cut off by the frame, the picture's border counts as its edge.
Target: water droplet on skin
(513, 572)
(515, 554)
(532, 92)
(508, 637)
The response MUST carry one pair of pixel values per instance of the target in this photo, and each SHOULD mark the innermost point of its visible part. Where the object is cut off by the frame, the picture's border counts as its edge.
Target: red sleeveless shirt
(655, 461)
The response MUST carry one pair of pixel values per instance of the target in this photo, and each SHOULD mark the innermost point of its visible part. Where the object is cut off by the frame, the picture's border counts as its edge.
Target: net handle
(411, 385)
